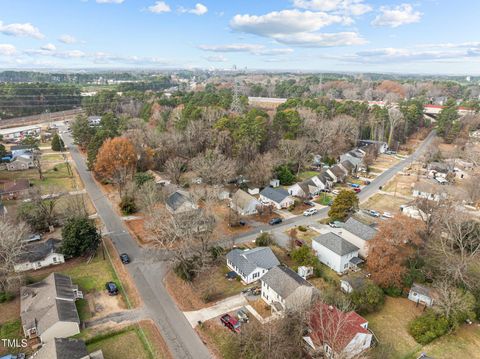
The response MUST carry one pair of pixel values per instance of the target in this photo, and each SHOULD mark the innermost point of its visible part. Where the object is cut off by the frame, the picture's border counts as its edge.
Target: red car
(230, 322)
(357, 190)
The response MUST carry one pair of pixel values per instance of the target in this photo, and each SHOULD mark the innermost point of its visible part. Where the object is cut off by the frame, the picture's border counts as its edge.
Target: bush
(186, 269)
(127, 205)
(142, 178)
(6, 297)
(368, 299)
(393, 291)
(428, 327)
(80, 237)
(264, 240)
(302, 228)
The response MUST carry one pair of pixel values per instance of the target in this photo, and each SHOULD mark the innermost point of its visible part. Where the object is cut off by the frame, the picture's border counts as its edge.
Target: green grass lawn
(126, 343)
(306, 175)
(222, 339)
(55, 177)
(10, 330)
(52, 157)
(390, 325)
(324, 199)
(83, 309)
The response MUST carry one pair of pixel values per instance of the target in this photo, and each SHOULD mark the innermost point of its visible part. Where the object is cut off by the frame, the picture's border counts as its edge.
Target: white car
(336, 191)
(387, 215)
(310, 212)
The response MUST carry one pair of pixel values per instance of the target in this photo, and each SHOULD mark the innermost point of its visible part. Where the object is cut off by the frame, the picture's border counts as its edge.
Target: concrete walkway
(118, 317)
(228, 305)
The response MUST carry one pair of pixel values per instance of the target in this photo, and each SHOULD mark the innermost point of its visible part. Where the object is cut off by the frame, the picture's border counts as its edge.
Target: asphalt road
(147, 272)
(278, 231)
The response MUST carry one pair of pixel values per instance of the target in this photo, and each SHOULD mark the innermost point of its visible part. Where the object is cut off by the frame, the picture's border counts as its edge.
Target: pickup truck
(230, 322)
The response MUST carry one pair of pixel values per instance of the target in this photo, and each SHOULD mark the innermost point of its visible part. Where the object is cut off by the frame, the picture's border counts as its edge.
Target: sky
(423, 36)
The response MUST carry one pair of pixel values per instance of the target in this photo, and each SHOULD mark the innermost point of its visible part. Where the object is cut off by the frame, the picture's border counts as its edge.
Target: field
(390, 326)
(306, 236)
(384, 203)
(401, 185)
(10, 330)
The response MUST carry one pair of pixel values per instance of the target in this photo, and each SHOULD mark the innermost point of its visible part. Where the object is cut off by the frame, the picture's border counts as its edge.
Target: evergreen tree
(57, 143)
(344, 205)
(80, 236)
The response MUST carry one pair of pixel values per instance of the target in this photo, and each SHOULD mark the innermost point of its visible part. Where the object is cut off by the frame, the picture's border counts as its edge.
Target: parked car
(354, 185)
(242, 315)
(124, 258)
(373, 213)
(366, 182)
(387, 215)
(33, 238)
(309, 203)
(230, 322)
(333, 225)
(275, 221)
(310, 212)
(336, 191)
(357, 190)
(111, 288)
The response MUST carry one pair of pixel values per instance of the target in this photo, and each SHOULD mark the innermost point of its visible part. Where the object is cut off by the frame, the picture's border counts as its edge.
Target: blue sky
(423, 36)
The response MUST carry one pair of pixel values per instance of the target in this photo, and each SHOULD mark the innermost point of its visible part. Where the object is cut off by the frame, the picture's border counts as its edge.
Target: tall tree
(80, 236)
(447, 121)
(345, 204)
(213, 167)
(57, 143)
(11, 248)
(396, 242)
(116, 162)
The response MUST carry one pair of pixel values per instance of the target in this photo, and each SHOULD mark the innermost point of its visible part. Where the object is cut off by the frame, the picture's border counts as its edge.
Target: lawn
(324, 199)
(390, 326)
(52, 157)
(306, 236)
(384, 203)
(11, 330)
(129, 342)
(306, 175)
(219, 340)
(401, 184)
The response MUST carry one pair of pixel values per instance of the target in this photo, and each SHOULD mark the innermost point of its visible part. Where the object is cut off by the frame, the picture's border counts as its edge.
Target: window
(54, 259)
(345, 266)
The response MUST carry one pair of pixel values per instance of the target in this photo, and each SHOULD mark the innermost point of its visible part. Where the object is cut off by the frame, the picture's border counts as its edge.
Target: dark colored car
(111, 288)
(275, 221)
(124, 258)
(309, 203)
(357, 190)
(230, 322)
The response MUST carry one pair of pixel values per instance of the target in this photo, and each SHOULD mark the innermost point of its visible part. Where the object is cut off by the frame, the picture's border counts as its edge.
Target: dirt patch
(136, 227)
(183, 293)
(127, 281)
(384, 203)
(401, 184)
(10, 310)
(261, 308)
(101, 304)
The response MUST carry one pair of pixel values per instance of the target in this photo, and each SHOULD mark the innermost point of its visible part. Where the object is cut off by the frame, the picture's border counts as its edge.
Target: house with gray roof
(39, 255)
(180, 202)
(251, 264)
(66, 348)
(305, 189)
(336, 252)
(351, 283)
(244, 203)
(20, 163)
(338, 173)
(276, 197)
(282, 289)
(47, 308)
(347, 166)
(421, 294)
(357, 233)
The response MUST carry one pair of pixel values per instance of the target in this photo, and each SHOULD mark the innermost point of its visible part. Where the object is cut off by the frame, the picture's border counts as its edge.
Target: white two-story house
(251, 264)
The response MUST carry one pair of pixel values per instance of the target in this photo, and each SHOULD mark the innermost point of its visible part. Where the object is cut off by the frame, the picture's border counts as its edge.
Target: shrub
(368, 299)
(393, 291)
(428, 327)
(264, 240)
(186, 269)
(142, 178)
(6, 297)
(127, 205)
(302, 228)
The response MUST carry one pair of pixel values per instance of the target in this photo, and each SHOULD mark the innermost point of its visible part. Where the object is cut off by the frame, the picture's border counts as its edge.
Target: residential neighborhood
(234, 180)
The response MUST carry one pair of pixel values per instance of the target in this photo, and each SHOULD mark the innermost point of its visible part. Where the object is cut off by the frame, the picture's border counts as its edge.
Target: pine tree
(57, 143)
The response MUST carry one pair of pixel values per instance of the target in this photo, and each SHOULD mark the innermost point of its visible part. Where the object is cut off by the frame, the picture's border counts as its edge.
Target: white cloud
(253, 49)
(198, 10)
(216, 58)
(67, 39)
(49, 47)
(24, 30)
(7, 50)
(353, 7)
(159, 7)
(300, 28)
(397, 16)
(110, 1)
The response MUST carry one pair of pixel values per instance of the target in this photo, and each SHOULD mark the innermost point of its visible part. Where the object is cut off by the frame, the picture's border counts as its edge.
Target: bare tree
(174, 168)
(472, 189)
(453, 302)
(259, 172)
(213, 167)
(297, 152)
(11, 248)
(395, 117)
(148, 196)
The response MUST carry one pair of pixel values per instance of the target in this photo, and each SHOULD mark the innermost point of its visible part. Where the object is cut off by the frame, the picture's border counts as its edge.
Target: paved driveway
(225, 306)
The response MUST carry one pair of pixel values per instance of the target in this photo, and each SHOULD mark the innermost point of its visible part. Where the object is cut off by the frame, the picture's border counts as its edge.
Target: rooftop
(277, 195)
(359, 229)
(248, 260)
(336, 243)
(284, 281)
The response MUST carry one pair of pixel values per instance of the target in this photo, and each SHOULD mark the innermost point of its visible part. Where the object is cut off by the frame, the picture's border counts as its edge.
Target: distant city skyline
(416, 37)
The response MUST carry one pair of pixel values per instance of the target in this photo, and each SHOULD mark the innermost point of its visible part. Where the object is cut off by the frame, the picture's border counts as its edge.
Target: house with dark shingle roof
(251, 264)
(66, 348)
(277, 197)
(338, 173)
(47, 308)
(357, 233)
(336, 334)
(180, 202)
(282, 289)
(336, 252)
(40, 255)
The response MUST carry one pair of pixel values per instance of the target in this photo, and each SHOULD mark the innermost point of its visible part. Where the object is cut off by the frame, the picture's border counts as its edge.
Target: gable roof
(248, 260)
(337, 171)
(276, 195)
(324, 177)
(284, 281)
(423, 290)
(356, 282)
(330, 325)
(37, 251)
(242, 198)
(178, 199)
(349, 166)
(63, 348)
(336, 243)
(47, 302)
(359, 229)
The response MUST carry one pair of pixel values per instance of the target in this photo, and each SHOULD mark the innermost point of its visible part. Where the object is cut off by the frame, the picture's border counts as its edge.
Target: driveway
(225, 306)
